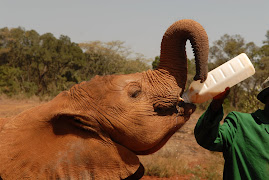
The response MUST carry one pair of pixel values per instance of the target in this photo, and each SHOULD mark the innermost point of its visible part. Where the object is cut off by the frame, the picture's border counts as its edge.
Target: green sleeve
(213, 136)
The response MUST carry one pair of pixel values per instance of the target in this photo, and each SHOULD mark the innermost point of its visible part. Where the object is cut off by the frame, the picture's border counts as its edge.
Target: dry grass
(11, 107)
(181, 158)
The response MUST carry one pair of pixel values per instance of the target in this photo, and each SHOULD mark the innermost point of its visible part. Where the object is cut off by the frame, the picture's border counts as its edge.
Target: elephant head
(96, 129)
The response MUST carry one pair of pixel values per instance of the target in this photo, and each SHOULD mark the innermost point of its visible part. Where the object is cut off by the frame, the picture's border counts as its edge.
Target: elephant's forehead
(121, 81)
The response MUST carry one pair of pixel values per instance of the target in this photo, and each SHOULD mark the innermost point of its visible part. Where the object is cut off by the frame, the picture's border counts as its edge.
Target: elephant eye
(134, 91)
(135, 94)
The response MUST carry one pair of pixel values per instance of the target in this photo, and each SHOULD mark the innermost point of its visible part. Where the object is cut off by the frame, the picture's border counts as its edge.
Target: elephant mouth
(166, 111)
(181, 109)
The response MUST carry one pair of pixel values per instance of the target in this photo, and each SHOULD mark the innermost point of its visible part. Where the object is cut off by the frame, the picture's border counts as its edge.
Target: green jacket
(243, 138)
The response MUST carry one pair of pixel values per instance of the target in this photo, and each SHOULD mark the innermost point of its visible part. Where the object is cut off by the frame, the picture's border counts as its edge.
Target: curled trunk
(173, 52)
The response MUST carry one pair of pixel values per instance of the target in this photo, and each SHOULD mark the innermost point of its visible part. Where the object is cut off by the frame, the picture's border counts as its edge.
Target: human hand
(223, 95)
(218, 100)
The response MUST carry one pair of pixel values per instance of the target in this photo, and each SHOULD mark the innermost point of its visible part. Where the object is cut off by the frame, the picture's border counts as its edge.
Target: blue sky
(141, 23)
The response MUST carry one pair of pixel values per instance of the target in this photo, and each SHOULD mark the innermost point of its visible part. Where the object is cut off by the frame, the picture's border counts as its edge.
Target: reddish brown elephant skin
(96, 129)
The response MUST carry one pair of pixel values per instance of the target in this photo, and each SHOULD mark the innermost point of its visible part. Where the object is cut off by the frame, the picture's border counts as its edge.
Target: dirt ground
(182, 142)
(12, 107)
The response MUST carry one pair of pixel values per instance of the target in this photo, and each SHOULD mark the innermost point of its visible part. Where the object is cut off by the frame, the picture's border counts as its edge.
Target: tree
(266, 42)
(113, 57)
(156, 62)
(37, 64)
(45, 65)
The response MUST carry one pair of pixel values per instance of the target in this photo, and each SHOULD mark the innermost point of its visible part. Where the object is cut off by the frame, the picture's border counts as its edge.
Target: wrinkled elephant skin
(96, 129)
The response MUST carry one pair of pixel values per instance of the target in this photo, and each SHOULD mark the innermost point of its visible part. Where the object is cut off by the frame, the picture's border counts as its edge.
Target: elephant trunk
(173, 53)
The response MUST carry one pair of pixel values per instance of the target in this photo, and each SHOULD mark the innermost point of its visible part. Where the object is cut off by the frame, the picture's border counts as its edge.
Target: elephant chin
(159, 145)
(185, 110)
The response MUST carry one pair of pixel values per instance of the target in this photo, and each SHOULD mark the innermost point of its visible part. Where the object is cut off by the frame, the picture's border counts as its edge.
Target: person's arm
(207, 130)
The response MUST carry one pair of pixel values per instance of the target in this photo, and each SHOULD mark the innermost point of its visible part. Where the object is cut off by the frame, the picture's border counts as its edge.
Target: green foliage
(9, 80)
(111, 58)
(36, 64)
(39, 63)
(156, 62)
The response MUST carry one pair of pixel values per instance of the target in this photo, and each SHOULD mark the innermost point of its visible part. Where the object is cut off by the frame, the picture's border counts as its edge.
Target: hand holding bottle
(219, 99)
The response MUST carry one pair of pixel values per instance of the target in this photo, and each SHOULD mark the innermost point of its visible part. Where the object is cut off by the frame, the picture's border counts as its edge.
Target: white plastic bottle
(226, 75)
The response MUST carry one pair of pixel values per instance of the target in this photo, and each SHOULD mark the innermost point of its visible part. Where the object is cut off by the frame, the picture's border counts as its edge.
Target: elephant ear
(46, 142)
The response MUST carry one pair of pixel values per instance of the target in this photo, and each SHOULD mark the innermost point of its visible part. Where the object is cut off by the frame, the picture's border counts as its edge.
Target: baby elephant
(96, 129)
